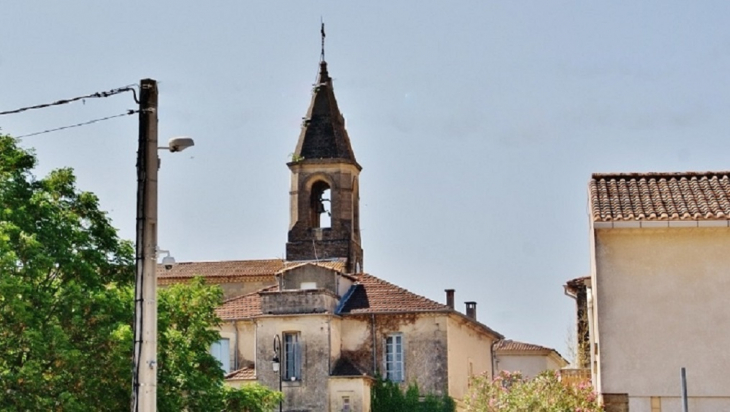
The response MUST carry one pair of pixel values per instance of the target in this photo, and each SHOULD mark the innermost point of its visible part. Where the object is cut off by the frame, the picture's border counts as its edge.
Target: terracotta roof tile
(246, 373)
(242, 307)
(660, 196)
(509, 344)
(374, 295)
(369, 295)
(238, 268)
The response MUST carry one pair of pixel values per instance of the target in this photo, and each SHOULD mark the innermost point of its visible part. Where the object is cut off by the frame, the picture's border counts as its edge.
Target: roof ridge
(680, 196)
(596, 176)
(256, 292)
(407, 291)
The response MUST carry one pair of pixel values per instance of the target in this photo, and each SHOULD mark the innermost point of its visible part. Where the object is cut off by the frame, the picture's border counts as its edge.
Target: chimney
(450, 298)
(471, 310)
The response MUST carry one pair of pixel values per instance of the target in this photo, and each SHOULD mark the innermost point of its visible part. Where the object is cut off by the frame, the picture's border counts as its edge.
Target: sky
(477, 123)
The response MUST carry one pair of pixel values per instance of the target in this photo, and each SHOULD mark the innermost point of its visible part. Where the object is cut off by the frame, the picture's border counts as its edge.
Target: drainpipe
(329, 345)
(493, 356)
(235, 345)
(375, 346)
(591, 335)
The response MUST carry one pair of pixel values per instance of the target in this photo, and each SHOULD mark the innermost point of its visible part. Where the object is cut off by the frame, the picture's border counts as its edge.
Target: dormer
(307, 288)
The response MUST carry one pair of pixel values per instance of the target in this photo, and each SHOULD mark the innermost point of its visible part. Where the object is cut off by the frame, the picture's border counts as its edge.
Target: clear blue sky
(478, 124)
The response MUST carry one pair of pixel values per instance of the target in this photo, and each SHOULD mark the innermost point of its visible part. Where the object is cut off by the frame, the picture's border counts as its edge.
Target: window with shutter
(292, 357)
(221, 350)
(394, 357)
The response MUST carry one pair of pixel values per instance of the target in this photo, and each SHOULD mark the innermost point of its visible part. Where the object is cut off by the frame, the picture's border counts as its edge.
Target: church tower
(324, 194)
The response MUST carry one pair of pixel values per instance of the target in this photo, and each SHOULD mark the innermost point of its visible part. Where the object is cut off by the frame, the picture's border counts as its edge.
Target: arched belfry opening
(324, 199)
(320, 206)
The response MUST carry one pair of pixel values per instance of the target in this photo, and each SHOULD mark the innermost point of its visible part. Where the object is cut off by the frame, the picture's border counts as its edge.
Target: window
(221, 350)
(308, 285)
(346, 404)
(394, 358)
(292, 357)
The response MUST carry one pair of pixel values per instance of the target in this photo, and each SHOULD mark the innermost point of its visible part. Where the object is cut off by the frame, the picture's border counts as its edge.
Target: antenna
(323, 36)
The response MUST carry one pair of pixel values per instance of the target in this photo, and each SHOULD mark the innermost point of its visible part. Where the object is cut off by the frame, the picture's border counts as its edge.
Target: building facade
(329, 327)
(527, 358)
(656, 297)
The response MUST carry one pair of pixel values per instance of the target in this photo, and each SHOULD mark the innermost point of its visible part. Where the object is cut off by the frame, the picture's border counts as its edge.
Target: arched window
(320, 214)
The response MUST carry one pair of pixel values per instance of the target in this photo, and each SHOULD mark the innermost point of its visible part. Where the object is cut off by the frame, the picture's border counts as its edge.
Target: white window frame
(292, 354)
(221, 350)
(308, 285)
(394, 358)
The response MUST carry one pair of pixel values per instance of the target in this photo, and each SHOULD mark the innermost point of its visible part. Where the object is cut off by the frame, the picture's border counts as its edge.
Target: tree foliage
(61, 307)
(511, 392)
(190, 378)
(66, 308)
(387, 396)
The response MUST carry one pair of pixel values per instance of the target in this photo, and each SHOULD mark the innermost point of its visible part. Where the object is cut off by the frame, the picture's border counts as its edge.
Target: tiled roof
(237, 268)
(244, 306)
(246, 373)
(508, 346)
(660, 196)
(374, 295)
(511, 345)
(370, 295)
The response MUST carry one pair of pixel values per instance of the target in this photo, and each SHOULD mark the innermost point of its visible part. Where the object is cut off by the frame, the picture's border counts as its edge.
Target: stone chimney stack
(450, 298)
(471, 310)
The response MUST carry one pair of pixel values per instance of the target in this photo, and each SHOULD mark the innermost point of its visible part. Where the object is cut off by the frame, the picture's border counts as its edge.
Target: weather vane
(322, 31)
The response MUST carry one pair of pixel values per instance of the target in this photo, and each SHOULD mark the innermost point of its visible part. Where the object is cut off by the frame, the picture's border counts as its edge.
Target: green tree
(66, 308)
(190, 378)
(511, 392)
(62, 271)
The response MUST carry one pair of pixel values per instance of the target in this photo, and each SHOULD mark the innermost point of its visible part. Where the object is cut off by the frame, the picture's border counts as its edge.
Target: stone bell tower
(324, 194)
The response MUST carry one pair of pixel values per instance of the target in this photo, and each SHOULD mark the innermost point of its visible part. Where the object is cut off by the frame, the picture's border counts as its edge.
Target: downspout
(256, 348)
(375, 346)
(494, 357)
(329, 345)
(235, 345)
(591, 335)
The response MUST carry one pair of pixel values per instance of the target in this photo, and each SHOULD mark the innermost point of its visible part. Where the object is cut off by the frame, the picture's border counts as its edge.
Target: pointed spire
(323, 133)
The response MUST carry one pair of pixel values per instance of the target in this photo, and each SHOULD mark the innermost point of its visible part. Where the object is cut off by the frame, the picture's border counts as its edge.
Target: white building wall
(661, 304)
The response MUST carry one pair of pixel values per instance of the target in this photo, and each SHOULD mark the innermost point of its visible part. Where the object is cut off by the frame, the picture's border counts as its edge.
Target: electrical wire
(112, 92)
(127, 113)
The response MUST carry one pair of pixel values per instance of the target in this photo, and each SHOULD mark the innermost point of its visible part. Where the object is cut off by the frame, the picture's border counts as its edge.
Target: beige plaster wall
(357, 389)
(244, 343)
(529, 365)
(661, 303)
(315, 330)
(469, 352)
(424, 346)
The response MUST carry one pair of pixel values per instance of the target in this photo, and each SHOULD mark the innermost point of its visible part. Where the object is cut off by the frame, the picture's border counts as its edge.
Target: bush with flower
(511, 392)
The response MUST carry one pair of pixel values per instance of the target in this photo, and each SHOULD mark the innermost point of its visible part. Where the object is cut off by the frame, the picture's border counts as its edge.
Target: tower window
(320, 206)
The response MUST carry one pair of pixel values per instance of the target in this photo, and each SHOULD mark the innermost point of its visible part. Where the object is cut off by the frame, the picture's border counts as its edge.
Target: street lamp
(144, 376)
(276, 362)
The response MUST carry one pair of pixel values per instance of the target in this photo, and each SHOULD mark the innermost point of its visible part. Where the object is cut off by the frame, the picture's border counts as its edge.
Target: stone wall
(298, 301)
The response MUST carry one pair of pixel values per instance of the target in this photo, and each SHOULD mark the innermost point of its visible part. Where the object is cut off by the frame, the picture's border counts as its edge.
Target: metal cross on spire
(323, 36)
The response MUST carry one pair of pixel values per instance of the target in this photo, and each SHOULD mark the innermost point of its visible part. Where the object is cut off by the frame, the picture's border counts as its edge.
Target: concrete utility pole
(144, 378)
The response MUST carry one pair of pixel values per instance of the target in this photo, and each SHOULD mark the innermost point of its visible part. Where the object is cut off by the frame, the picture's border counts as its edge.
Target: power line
(112, 92)
(127, 113)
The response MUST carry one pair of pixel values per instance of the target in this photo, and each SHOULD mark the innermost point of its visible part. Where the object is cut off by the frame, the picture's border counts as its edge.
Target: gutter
(653, 224)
